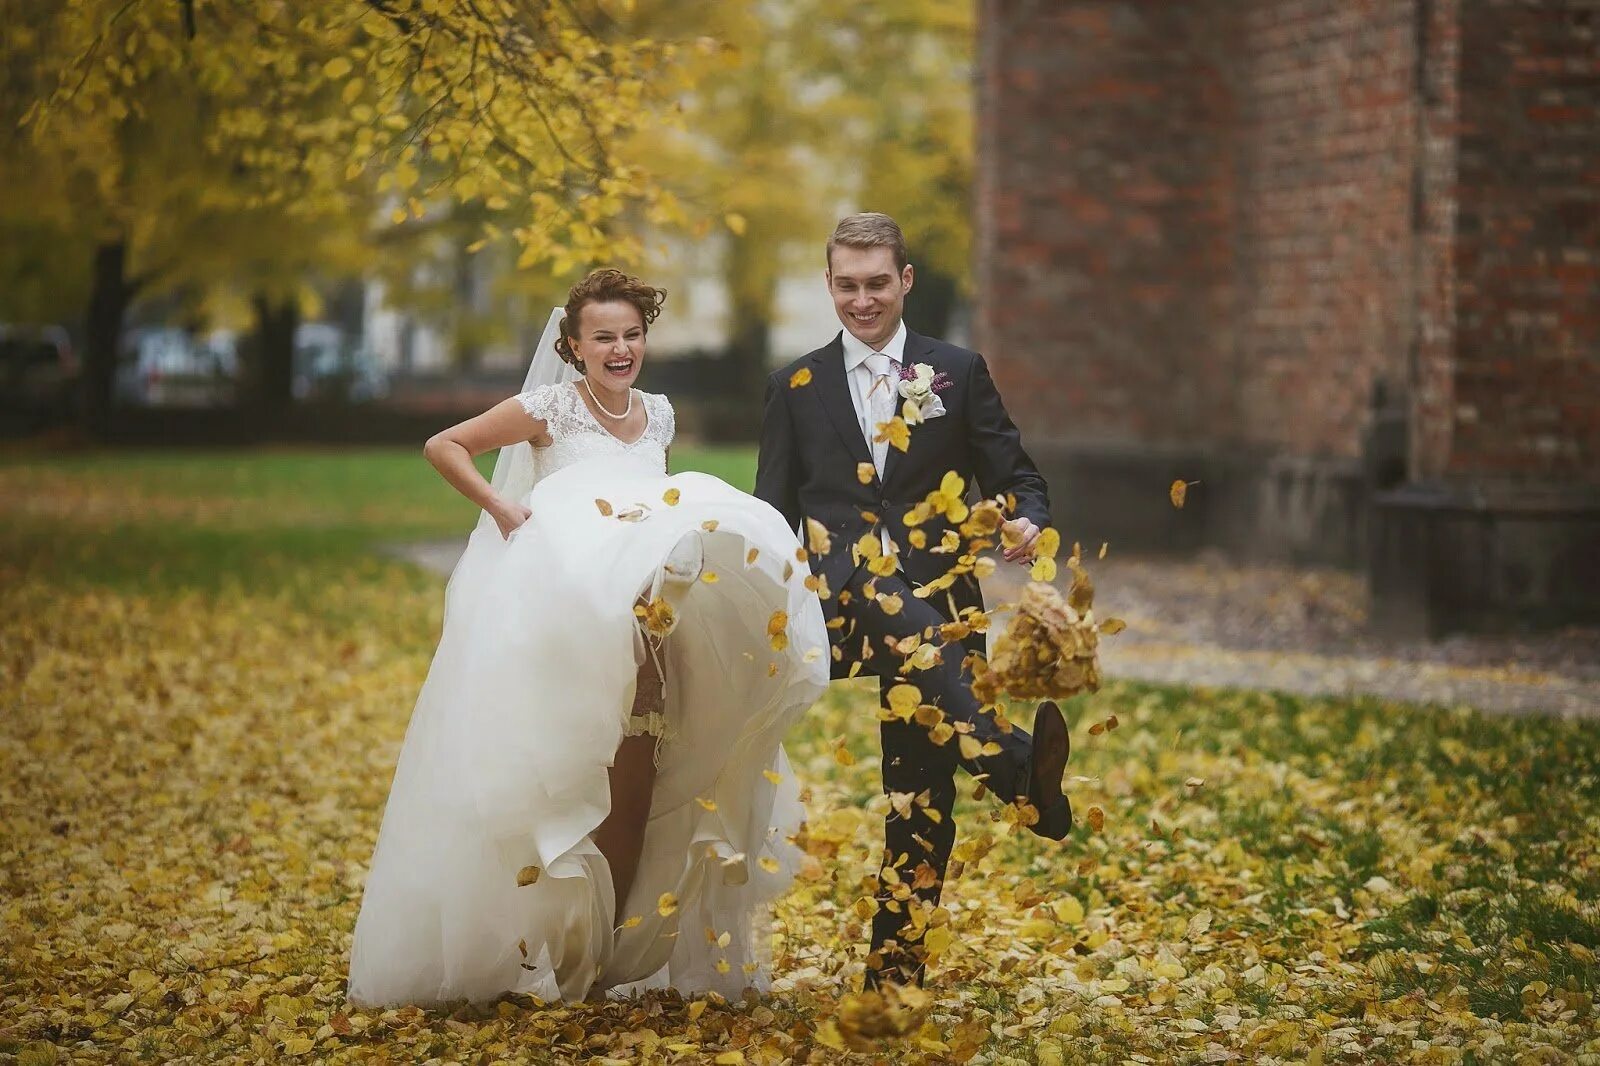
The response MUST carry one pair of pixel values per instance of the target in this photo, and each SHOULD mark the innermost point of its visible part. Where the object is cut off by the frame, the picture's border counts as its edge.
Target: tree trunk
(276, 320)
(109, 295)
(754, 294)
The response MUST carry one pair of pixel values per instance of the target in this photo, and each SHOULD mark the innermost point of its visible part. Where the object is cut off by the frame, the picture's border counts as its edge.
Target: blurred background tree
(249, 164)
(166, 140)
(815, 109)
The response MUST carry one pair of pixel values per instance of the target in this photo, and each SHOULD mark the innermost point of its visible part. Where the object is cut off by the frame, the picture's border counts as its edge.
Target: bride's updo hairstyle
(606, 286)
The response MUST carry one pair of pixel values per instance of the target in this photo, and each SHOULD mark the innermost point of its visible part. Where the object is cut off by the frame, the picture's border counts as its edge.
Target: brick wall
(1325, 142)
(1209, 229)
(1104, 216)
(1527, 243)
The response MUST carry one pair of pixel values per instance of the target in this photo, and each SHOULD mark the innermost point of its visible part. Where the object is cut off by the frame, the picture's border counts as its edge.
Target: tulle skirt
(485, 878)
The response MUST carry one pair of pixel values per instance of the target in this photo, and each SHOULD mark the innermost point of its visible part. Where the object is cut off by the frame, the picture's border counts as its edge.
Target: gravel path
(1209, 622)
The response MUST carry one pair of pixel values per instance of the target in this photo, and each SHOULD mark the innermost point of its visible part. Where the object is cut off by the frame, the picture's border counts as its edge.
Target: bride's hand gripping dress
(485, 878)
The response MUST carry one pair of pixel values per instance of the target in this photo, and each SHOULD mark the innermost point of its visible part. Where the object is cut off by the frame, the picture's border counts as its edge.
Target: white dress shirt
(861, 394)
(860, 377)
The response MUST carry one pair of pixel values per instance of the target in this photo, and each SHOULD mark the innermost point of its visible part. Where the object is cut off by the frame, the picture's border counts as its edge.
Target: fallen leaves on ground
(193, 780)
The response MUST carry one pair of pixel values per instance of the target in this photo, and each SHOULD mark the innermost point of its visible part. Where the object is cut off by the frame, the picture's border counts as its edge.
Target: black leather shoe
(1052, 744)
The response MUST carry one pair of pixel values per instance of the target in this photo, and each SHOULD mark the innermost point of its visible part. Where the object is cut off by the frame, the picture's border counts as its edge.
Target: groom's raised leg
(947, 685)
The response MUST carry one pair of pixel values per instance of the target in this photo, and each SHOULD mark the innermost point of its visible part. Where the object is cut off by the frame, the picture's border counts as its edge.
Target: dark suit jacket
(811, 445)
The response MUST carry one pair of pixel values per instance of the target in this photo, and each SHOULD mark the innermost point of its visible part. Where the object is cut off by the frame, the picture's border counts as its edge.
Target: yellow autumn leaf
(800, 378)
(818, 538)
(1179, 492)
(710, 577)
(904, 700)
(604, 508)
(1047, 544)
(865, 472)
(671, 497)
(667, 904)
(895, 432)
(526, 876)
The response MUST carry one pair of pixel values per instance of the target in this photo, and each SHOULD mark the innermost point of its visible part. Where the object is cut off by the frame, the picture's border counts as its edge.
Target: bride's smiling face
(610, 343)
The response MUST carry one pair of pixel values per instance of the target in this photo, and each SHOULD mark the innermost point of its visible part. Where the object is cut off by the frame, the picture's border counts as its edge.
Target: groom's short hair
(870, 229)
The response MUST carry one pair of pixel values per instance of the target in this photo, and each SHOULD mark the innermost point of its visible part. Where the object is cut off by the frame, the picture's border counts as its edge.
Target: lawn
(205, 674)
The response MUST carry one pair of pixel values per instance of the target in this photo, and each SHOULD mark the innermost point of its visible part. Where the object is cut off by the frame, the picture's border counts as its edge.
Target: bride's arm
(451, 452)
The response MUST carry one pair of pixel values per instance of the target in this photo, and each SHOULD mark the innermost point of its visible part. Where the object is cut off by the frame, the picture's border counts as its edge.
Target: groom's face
(869, 292)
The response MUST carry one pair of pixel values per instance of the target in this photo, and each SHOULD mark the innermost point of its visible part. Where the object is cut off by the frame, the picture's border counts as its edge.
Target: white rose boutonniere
(920, 388)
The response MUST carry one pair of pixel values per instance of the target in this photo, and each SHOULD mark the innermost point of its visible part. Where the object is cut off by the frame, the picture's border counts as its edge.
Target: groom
(820, 460)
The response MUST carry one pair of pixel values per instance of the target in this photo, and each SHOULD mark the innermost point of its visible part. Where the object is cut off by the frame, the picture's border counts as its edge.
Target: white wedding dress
(504, 764)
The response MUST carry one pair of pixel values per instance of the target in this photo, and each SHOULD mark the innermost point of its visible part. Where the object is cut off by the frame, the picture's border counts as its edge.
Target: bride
(592, 792)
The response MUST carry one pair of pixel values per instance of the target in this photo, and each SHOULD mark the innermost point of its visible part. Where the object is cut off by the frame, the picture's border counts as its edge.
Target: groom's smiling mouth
(866, 319)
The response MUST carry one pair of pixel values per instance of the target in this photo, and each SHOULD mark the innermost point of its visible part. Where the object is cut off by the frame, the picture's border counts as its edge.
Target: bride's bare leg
(620, 837)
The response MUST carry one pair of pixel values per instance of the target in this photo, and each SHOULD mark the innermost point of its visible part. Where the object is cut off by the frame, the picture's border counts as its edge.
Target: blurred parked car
(38, 377)
(163, 366)
(328, 367)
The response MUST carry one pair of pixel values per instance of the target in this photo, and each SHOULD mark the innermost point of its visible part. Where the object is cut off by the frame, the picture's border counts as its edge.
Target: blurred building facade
(1336, 260)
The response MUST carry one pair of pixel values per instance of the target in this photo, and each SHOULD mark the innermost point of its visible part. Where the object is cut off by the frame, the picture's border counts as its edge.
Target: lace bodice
(576, 434)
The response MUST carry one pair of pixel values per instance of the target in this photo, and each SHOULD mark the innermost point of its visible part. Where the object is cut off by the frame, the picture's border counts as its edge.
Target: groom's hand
(1022, 533)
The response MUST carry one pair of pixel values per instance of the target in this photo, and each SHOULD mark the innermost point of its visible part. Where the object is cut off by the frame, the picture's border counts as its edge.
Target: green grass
(257, 518)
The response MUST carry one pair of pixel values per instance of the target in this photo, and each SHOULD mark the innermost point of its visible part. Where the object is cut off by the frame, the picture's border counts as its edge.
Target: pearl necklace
(602, 407)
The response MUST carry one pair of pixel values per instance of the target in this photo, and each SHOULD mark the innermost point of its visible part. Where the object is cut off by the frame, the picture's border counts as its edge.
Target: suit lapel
(833, 392)
(917, 350)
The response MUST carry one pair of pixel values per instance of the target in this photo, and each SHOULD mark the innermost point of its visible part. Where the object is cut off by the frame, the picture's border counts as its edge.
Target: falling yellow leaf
(1048, 543)
(842, 753)
(772, 775)
(633, 922)
(818, 538)
(667, 904)
(671, 497)
(890, 604)
(800, 378)
(604, 507)
(769, 864)
(776, 627)
(710, 525)
(710, 577)
(895, 432)
(527, 875)
(709, 805)
(1179, 491)
(1112, 626)
(865, 472)
(1096, 819)
(735, 222)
